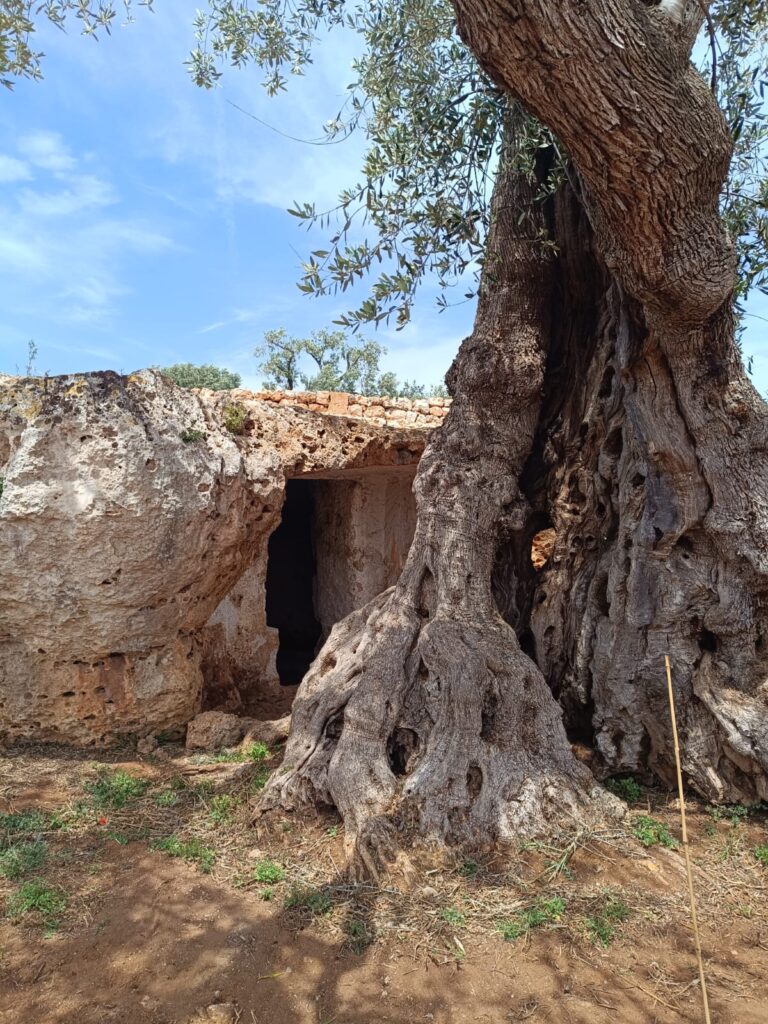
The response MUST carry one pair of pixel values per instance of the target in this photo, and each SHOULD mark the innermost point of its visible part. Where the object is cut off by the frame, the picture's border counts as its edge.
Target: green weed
(453, 916)
(652, 832)
(601, 926)
(358, 935)
(22, 859)
(228, 757)
(166, 798)
(115, 788)
(260, 779)
(761, 854)
(545, 911)
(735, 814)
(221, 809)
(234, 419)
(627, 789)
(188, 849)
(257, 752)
(191, 434)
(37, 897)
(267, 871)
(468, 869)
(306, 897)
(20, 823)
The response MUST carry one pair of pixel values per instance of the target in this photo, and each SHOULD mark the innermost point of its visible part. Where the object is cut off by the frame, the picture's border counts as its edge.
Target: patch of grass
(37, 897)
(188, 849)
(468, 869)
(453, 916)
(202, 790)
(359, 937)
(545, 911)
(22, 859)
(268, 871)
(234, 418)
(221, 810)
(652, 832)
(267, 894)
(735, 814)
(761, 854)
(115, 788)
(627, 789)
(22, 823)
(166, 798)
(260, 779)
(257, 752)
(306, 897)
(332, 831)
(601, 926)
(191, 434)
(228, 757)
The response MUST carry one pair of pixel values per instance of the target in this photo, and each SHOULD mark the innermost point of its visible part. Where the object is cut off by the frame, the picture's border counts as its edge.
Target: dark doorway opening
(290, 584)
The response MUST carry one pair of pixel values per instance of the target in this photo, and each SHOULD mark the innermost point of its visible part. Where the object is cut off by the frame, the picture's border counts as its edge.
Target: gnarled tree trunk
(422, 712)
(601, 393)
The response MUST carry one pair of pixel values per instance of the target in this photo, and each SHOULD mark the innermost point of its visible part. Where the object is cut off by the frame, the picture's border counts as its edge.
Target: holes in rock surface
(637, 480)
(290, 582)
(542, 546)
(401, 747)
(488, 727)
(707, 641)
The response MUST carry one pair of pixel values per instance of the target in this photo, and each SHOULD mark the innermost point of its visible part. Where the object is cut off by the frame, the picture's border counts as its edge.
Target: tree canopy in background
(432, 118)
(331, 361)
(187, 375)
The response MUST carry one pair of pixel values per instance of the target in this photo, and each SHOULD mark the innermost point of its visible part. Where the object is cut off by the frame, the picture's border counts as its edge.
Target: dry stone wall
(383, 411)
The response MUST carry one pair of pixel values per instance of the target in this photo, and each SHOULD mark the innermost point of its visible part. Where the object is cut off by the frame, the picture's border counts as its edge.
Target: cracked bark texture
(651, 460)
(601, 393)
(422, 713)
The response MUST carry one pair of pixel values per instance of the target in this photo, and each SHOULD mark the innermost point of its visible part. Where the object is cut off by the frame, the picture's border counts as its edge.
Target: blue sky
(142, 220)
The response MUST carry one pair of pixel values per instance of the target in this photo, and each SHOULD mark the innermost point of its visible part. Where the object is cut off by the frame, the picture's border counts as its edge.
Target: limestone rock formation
(131, 511)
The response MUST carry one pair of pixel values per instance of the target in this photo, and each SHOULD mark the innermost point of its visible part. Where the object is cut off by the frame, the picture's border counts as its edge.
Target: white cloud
(47, 151)
(12, 169)
(85, 192)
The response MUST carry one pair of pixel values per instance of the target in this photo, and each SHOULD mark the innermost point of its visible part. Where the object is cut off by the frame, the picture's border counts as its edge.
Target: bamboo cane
(686, 848)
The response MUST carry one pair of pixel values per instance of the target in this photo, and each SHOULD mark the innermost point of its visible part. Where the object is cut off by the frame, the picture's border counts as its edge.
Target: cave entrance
(290, 583)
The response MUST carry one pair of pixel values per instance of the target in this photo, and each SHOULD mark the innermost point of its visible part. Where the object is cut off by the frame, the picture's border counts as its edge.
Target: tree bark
(660, 484)
(601, 393)
(422, 715)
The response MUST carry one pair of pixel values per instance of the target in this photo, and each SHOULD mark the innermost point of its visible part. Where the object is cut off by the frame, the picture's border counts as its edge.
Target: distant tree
(279, 360)
(337, 361)
(187, 375)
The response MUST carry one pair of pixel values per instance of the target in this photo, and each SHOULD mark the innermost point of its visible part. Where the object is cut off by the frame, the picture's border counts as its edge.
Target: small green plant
(221, 809)
(260, 779)
(22, 859)
(735, 814)
(652, 832)
(627, 789)
(306, 897)
(234, 418)
(332, 831)
(115, 788)
(267, 894)
(166, 798)
(601, 926)
(191, 434)
(358, 935)
(545, 911)
(37, 897)
(228, 757)
(20, 823)
(761, 854)
(268, 872)
(257, 752)
(188, 849)
(468, 869)
(453, 916)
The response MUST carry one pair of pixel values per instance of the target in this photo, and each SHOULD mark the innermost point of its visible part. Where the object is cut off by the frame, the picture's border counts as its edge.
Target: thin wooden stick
(686, 848)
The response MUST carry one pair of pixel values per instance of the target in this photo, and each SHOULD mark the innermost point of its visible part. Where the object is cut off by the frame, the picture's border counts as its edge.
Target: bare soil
(147, 938)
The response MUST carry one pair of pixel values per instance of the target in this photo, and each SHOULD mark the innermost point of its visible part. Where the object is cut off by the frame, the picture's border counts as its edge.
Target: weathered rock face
(129, 512)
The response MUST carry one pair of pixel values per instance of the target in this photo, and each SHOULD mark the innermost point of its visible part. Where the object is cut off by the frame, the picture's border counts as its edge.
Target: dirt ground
(171, 907)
